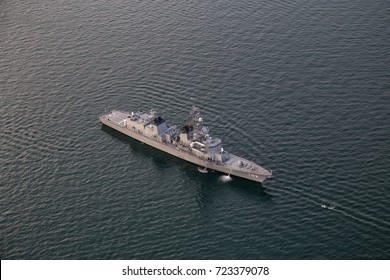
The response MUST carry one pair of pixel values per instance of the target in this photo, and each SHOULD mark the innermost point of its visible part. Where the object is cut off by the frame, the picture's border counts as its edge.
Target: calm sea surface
(301, 87)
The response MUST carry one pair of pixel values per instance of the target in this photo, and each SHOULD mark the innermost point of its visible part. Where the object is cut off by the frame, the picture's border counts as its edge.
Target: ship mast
(197, 123)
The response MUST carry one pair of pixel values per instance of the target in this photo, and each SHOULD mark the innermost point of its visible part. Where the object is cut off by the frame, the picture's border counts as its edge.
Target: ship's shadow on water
(208, 181)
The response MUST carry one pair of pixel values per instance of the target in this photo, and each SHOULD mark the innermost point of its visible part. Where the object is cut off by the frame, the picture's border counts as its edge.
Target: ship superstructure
(190, 142)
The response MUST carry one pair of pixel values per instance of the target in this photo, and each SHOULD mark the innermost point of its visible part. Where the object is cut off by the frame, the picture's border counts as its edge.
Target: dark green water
(300, 87)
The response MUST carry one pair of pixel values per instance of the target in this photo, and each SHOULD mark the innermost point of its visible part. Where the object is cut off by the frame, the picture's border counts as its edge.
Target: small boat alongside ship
(203, 170)
(191, 142)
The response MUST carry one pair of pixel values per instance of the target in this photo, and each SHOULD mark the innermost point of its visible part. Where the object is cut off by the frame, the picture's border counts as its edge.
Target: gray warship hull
(116, 120)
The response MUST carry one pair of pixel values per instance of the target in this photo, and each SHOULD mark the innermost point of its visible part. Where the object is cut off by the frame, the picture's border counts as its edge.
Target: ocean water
(300, 87)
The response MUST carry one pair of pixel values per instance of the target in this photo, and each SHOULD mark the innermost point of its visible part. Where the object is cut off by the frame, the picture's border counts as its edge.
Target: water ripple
(300, 87)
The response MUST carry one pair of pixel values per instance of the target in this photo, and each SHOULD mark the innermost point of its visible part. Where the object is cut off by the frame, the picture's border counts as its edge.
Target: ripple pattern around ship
(301, 87)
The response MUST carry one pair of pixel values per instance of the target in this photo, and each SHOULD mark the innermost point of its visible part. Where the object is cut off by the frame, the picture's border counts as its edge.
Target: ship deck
(234, 163)
(117, 117)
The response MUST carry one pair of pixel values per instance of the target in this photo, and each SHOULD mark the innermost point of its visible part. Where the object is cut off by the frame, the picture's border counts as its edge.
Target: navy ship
(191, 142)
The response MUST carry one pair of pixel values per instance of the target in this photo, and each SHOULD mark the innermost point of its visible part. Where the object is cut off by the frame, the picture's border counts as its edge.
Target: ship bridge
(212, 142)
